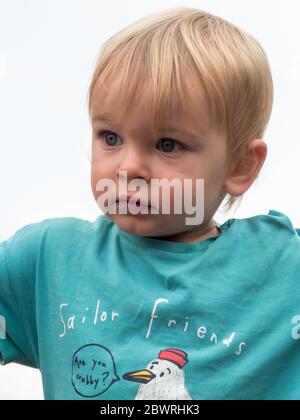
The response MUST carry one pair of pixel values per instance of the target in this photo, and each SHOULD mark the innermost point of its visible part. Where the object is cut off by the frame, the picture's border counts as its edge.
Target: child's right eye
(108, 137)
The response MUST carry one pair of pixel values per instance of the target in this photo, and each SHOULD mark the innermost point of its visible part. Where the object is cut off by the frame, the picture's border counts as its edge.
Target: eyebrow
(106, 118)
(184, 131)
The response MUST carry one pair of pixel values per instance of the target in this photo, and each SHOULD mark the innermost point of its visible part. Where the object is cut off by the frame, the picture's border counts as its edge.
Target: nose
(135, 165)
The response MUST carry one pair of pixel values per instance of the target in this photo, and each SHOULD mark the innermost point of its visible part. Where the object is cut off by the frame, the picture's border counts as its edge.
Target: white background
(48, 49)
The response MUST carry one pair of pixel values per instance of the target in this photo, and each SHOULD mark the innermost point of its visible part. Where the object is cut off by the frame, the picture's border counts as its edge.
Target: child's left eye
(168, 144)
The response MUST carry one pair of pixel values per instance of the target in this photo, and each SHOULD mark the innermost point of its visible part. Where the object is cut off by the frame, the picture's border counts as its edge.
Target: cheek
(212, 171)
(97, 173)
(214, 187)
(100, 168)
(93, 180)
(93, 185)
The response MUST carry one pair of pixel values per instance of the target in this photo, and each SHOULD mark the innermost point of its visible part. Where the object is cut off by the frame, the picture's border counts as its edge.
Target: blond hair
(230, 65)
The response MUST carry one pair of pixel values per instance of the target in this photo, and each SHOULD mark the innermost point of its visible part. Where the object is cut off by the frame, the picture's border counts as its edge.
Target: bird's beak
(141, 376)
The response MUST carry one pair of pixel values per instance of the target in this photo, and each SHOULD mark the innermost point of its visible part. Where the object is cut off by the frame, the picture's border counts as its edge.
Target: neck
(197, 235)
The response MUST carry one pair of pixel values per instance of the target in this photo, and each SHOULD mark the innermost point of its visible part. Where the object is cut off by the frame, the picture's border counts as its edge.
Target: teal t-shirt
(107, 315)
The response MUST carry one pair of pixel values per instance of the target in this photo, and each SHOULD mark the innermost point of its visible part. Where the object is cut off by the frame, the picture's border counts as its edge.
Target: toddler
(149, 304)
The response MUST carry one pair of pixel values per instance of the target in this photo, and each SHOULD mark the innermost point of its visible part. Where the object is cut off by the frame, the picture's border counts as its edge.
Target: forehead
(105, 101)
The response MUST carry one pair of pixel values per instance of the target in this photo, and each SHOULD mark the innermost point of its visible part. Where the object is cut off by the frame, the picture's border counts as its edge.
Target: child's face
(130, 147)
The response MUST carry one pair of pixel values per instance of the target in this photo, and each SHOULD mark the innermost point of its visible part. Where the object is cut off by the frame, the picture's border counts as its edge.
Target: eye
(168, 145)
(109, 137)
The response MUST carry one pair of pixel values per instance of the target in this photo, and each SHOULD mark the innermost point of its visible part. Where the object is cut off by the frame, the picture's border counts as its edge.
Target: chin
(141, 225)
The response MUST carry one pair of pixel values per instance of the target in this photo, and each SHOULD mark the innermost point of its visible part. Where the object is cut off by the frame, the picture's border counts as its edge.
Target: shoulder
(279, 219)
(264, 225)
(269, 238)
(72, 228)
(58, 226)
(51, 233)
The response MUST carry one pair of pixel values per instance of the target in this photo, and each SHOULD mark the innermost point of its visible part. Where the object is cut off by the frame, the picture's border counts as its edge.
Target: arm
(18, 263)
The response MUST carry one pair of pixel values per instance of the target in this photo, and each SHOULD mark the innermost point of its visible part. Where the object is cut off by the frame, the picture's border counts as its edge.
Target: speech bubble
(93, 370)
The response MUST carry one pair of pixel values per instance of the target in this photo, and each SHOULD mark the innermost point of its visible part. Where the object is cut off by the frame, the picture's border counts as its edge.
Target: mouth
(138, 204)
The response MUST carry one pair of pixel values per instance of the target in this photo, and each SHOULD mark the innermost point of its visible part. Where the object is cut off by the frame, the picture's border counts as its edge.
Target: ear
(246, 171)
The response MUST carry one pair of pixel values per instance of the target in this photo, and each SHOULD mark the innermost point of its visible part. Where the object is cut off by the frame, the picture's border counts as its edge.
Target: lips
(139, 203)
(124, 197)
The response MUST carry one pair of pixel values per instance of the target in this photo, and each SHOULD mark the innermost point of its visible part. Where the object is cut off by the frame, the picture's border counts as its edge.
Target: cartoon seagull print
(163, 378)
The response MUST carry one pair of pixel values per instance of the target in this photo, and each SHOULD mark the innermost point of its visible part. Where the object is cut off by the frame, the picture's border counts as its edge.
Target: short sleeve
(18, 267)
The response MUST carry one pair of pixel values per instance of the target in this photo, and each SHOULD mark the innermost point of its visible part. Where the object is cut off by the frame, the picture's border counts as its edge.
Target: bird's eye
(162, 374)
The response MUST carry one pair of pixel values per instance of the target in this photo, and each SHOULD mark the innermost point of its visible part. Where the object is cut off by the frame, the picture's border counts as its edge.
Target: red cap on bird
(179, 357)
